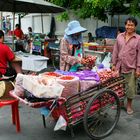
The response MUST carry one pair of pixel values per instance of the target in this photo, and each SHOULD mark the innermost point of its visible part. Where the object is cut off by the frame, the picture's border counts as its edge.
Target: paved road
(128, 127)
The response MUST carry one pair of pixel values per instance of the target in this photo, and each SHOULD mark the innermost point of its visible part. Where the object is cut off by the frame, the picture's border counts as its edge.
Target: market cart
(98, 107)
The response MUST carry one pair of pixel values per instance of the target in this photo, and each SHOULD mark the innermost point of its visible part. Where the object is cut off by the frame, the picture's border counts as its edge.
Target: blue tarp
(107, 32)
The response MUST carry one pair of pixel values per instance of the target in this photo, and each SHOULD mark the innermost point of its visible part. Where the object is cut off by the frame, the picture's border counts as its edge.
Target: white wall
(25, 23)
(34, 20)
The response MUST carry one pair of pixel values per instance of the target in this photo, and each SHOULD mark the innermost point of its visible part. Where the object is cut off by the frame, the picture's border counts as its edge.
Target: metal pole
(42, 23)
(96, 23)
(19, 20)
(1, 20)
(112, 23)
(118, 20)
(13, 46)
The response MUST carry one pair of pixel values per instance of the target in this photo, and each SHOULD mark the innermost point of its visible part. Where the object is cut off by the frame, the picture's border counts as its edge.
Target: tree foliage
(98, 8)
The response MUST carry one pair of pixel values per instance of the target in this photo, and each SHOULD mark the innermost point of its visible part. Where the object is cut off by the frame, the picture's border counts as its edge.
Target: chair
(6, 100)
(15, 111)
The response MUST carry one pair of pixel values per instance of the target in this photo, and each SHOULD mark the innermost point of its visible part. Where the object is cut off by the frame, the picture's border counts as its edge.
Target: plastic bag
(106, 61)
(31, 84)
(61, 124)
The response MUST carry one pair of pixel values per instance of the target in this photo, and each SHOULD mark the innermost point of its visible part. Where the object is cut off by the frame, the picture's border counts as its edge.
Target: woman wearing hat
(71, 48)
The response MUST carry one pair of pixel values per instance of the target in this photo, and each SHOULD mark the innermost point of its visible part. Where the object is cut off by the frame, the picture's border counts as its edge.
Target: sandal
(130, 111)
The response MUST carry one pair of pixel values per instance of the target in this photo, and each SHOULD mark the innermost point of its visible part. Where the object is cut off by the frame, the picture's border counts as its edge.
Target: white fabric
(51, 90)
(33, 62)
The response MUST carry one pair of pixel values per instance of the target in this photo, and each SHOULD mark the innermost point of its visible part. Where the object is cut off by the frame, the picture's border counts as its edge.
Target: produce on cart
(88, 61)
(70, 83)
(93, 105)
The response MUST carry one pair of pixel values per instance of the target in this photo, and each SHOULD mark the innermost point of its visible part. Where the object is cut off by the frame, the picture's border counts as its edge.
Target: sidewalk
(128, 127)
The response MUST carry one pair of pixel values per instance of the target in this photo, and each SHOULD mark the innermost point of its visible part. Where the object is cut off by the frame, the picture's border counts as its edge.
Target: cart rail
(75, 105)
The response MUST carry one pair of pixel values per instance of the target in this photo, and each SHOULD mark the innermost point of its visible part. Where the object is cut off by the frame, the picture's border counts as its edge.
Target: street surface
(128, 127)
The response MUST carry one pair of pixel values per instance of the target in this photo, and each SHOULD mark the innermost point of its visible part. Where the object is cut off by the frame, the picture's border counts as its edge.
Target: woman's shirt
(67, 58)
(77, 52)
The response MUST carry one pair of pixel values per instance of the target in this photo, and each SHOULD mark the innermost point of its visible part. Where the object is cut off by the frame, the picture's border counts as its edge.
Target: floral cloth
(77, 53)
(67, 59)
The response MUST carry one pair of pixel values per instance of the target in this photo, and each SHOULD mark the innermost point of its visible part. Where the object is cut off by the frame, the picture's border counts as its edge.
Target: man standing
(18, 32)
(19, 45)
(126, 59)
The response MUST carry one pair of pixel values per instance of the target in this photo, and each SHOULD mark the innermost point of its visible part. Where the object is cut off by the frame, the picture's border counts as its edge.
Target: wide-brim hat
(74, 27)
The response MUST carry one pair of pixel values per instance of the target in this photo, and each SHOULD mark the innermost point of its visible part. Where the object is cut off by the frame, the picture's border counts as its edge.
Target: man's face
(2, 39)
(130, 27)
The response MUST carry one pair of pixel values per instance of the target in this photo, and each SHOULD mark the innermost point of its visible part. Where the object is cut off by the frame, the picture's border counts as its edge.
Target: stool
(15, 111)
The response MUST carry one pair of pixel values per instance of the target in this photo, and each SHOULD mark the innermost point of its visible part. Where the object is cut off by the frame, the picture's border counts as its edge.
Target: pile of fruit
(107, 74)
(89, 61)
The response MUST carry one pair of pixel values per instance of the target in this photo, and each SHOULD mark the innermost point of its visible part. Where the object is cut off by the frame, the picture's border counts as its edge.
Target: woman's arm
(66, 53)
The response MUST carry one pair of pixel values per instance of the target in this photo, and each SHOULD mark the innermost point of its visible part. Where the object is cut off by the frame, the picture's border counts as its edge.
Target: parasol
(28, 6)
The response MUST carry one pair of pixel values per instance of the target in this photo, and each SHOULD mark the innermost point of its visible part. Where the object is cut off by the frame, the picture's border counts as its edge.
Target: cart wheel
(102, 114)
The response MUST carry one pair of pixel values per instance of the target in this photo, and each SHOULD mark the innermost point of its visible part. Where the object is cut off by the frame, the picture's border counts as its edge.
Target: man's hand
(137, 74)
(113, 68)
(79, 59)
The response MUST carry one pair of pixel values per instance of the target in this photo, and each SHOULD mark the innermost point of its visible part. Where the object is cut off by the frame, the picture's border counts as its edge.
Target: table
(31, 62)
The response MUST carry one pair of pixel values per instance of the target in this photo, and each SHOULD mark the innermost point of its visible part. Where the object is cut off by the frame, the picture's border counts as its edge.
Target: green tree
(98, 8)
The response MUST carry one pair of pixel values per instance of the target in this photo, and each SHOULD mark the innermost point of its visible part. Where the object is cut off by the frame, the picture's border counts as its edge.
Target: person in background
(29, 40)
(50, 37)
(71, 47)
(126, 59)
(7, 65)
(18, 32)
(19, 45)
(30, 32)
(90, 37)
